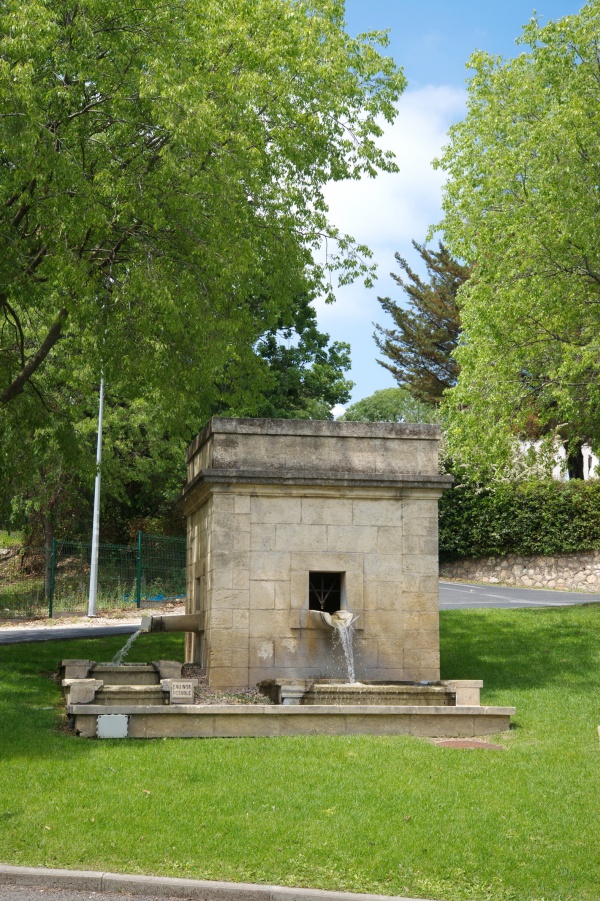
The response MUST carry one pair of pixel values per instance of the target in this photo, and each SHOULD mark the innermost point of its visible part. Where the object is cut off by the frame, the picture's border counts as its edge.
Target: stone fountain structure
(294, 525)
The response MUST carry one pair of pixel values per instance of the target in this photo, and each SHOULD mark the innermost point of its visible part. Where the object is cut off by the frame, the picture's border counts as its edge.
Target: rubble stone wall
(570, 572)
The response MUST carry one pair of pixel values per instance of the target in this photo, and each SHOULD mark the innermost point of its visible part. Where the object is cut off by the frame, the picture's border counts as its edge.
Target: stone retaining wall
(569, 572)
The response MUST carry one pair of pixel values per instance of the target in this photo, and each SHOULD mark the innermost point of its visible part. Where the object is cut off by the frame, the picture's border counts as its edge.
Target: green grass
(10, 539)
(392, 815)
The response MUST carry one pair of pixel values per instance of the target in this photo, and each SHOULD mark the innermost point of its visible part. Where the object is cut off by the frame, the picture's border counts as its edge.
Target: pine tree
(419, 348)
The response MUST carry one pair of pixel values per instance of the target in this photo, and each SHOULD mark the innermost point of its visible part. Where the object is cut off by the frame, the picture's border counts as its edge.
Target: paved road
(35, 893)
(460, 596)
(453, 596)
(55, 633)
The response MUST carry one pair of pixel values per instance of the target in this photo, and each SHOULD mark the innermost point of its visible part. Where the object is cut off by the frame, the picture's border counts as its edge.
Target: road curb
(166, 887)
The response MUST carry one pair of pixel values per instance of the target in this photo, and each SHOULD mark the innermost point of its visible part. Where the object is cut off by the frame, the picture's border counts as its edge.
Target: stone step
(138, 695)
(125, 674)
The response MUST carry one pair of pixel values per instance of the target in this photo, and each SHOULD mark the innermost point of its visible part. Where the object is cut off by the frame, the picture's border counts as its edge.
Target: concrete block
(377, 513)
(167, 669)
(467, 691)
(420, 622)
(390, 655)
(283, 594)
(228, 677)
(221, 618)
(383, 567)
(262, 595)
(326, 511)
(261, 652)
(221, 579)
(300, 537)
(241, 505)
(270, 623)
(241, 578)
(318, 561)
(269, 565)
(262, 537)
(235, 599)
(276, 510)
(74, 668)
(299, 589)
(389, 540)
(344, 539)
(82, 691)
(219, 657)
(228, 639)
(389, 596)
(286, 652)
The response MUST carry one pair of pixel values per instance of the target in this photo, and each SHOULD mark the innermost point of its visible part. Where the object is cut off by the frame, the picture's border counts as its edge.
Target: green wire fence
(55, 581)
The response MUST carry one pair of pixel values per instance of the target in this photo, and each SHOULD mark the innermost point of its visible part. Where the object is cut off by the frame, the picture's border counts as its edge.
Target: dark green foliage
(419, 348)
(520, 518)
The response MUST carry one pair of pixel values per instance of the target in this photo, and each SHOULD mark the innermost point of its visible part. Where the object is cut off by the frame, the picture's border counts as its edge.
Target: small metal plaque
(182, 691)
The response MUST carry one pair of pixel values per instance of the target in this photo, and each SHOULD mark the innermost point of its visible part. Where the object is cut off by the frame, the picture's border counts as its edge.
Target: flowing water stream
(345, 633)
(122, 654)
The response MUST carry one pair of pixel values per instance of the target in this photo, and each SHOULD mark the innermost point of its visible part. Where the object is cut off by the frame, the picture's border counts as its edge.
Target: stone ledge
(264, 721)
(313, 427)
(317, 478)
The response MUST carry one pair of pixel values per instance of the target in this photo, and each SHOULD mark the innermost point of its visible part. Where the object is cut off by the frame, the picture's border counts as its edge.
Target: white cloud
(386, 213)
(390, 208)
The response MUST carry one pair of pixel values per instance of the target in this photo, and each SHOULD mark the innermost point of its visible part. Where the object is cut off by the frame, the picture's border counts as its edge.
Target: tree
(303, 374)
(161, 178)
(160, 167)
(420, 346)
(391, 405)
(523, 200)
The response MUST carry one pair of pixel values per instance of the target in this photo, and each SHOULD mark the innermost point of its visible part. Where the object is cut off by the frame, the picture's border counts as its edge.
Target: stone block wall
(257, 529)
(569, 572)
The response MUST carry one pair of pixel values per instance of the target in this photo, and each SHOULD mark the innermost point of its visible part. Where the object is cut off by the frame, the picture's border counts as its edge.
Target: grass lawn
(392, 815)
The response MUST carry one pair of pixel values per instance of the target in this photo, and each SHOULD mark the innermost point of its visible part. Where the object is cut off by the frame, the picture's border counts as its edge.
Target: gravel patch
(204, 695)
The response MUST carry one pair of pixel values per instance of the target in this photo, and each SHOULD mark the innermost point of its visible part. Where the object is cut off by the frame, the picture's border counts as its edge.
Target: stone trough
(113, 708)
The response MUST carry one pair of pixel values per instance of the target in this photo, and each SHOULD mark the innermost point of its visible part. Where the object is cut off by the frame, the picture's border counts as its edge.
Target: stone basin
(385, 694)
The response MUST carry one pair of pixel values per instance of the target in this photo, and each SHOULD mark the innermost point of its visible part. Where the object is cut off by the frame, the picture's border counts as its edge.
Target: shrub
(546, 518)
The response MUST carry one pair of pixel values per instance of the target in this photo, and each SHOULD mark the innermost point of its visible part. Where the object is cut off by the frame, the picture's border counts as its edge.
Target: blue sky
(431, 40)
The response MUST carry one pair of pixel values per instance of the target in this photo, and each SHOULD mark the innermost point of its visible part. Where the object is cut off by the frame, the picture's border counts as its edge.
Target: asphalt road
(55, 633)
(453, 596)
(460, 596)
(35, 893)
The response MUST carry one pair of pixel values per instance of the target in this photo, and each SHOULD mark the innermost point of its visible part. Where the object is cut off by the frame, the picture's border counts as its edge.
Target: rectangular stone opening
(325, 591)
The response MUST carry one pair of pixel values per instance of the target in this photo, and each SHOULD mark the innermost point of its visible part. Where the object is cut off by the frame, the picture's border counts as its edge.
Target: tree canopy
(391, 405)
(419, 348)
(161, 167)
(161, 201)
(523, 200)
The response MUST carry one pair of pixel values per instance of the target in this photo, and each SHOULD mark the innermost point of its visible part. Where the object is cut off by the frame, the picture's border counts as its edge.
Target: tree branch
(18, 384)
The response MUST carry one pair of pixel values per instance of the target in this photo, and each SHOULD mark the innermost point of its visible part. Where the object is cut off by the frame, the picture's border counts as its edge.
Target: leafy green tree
(419, 348)
(391, 405)
(161, 196)
(160, 167)
(303, 374)
(523, 200)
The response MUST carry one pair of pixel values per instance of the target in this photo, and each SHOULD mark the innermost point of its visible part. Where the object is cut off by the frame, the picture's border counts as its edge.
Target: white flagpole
(96, 522)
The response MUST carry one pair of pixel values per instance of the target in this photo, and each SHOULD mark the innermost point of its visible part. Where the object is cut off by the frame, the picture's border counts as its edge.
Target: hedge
(523, 518)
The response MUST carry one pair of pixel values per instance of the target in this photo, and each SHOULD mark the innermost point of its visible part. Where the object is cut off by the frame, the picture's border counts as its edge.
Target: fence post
(138, 584)
(52, 573)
